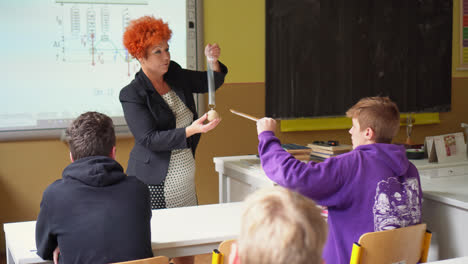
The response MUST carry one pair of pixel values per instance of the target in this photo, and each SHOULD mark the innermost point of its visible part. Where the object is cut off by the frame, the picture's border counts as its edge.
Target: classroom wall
(243, 50)
(28, 167)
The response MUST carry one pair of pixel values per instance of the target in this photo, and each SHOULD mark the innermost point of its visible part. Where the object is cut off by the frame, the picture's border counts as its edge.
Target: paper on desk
(446, 148)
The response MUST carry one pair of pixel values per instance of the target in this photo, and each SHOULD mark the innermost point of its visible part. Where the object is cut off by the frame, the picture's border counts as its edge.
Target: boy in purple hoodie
(372, 188)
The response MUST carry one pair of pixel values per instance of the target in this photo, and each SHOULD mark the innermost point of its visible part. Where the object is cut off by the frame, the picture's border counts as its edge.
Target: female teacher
(160, 111)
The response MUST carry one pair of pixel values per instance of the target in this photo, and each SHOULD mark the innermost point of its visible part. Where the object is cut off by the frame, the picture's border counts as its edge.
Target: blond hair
(281, 226)
(378, 113)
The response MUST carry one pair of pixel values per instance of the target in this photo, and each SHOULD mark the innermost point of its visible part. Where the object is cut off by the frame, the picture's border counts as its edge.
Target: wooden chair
(153, 260)
(221, 255)
(408, 245)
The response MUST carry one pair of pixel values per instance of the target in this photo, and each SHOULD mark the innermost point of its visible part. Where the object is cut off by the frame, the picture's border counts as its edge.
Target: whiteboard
(61, 58)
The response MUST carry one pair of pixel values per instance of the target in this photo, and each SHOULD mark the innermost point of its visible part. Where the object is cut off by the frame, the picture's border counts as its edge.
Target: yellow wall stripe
(333, 123)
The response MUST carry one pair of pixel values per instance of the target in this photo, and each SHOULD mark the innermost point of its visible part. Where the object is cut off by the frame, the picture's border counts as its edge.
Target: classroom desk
(445, 192)
(445, 206)
(174, 232)
(239, 176)
(462, 260)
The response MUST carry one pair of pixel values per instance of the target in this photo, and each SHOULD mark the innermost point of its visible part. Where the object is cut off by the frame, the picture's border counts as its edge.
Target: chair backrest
(407, 245)
(225, 249)
(153, 260)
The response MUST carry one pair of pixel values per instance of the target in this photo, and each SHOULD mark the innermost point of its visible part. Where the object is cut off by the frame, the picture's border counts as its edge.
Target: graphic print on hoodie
(396, 204)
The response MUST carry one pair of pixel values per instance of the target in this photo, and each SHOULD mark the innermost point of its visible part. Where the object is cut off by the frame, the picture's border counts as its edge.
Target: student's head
(143, 34)
(91, 134)
(280, 226)
(375, 120)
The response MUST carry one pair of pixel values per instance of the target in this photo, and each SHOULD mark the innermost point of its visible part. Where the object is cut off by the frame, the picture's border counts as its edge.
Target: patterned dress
(178, 189)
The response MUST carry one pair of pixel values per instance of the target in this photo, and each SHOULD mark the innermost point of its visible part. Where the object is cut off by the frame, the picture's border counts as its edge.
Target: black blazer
(152, 122)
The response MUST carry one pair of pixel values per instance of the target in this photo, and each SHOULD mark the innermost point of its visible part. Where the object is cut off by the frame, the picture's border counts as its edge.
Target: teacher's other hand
(198, 126)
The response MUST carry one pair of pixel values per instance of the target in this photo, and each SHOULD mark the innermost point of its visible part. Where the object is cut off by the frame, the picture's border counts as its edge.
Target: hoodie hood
(394, 156)
(97, 171)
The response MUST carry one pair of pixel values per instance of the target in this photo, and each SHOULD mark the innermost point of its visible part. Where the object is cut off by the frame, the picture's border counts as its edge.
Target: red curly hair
(144, 32)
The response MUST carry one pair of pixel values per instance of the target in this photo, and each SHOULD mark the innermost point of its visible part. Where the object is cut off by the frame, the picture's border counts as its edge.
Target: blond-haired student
(372, 188)
(280, 226)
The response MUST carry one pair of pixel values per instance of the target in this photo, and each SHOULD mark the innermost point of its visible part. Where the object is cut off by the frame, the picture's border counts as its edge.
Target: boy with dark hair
(372, 188)
(95, 213)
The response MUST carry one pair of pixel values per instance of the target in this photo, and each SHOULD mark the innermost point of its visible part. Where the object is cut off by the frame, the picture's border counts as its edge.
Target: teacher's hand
(212, 52)
(266, 124)
(198, 126)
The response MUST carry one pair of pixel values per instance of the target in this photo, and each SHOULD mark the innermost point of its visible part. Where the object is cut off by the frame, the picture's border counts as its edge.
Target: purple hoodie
(372, 188)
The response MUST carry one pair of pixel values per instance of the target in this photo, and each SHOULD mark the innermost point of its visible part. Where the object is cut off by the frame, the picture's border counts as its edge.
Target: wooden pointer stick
(244, 115)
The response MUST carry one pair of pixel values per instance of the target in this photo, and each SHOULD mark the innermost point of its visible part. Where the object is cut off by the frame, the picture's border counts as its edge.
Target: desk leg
(227, 191)
(9, 258)
(223, 188)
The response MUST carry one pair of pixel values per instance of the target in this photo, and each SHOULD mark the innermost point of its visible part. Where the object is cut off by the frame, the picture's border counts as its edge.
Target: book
(322, 155)
(316, 158)
(303, 157)
(334, 149)
(331, 152)
(296, 149)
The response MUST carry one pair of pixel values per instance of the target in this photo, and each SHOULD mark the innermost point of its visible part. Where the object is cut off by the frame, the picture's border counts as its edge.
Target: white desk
(239, 176)
(462, 260)
(174, 232)
(445, 192)
(446, 183)
(445, 206)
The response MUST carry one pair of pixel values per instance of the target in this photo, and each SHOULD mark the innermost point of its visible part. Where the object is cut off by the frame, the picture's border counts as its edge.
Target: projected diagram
(91, 32)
